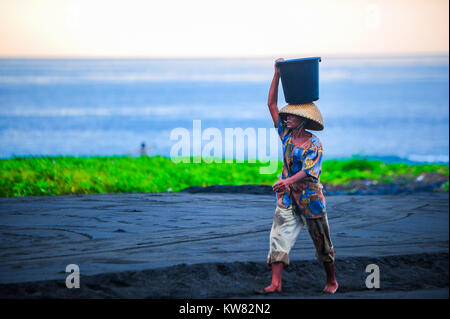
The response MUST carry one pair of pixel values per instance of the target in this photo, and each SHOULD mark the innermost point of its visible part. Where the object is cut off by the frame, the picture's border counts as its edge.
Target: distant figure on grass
(299, 195)
(143, 149)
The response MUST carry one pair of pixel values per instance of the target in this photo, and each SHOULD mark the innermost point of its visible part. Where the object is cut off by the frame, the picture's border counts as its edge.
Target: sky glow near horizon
(201, 28)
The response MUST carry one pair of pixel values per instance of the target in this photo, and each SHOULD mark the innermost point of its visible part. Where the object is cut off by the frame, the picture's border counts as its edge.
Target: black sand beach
(214, 245)
(405, 276)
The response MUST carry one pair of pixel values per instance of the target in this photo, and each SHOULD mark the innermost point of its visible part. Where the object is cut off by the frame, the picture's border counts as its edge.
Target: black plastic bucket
(300, 79)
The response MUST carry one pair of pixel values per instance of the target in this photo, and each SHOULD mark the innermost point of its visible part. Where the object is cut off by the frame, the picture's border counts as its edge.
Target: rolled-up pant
(286, 227)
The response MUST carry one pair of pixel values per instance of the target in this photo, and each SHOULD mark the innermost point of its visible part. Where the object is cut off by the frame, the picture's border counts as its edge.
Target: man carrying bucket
(300, 201)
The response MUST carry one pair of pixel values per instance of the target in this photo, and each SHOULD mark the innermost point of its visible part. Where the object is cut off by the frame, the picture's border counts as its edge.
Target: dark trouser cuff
(278, 256)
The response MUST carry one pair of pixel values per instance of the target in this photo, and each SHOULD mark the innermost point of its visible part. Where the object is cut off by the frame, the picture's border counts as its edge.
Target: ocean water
(392, 108)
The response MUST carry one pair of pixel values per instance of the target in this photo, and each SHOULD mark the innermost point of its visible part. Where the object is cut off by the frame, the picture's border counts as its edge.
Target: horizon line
(193, 57)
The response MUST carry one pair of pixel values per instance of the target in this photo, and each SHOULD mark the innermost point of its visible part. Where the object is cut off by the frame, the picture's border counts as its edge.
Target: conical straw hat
(306, 110)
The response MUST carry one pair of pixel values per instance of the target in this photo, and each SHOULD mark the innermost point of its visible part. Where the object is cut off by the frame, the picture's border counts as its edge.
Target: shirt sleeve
(312, 159)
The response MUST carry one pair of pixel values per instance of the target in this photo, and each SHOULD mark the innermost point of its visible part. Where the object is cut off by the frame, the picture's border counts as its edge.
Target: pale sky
(228, 28)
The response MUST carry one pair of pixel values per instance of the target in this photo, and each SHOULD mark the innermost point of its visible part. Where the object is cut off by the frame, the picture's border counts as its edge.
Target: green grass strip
(20, 176)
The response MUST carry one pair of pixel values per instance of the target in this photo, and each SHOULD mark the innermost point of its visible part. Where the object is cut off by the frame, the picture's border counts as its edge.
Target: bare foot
(331, 287)
(269, 289)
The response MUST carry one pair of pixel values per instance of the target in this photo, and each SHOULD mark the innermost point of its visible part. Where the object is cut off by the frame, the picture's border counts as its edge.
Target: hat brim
(309, 111)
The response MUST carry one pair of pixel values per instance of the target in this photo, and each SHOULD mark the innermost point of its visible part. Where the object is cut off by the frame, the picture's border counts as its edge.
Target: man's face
(292, 121)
